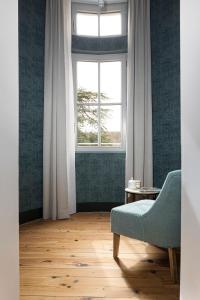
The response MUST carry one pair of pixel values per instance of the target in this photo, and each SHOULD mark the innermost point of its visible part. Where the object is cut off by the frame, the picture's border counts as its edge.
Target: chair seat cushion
(126, 219)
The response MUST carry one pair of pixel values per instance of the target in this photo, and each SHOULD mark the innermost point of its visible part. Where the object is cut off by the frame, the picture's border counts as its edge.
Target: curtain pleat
(59, 191)
(139, 100)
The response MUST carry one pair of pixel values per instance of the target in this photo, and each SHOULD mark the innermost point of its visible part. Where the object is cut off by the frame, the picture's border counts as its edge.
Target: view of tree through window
(99, 104)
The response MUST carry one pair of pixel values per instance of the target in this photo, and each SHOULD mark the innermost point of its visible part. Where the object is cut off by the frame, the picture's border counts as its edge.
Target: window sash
(99, 143)
(122, 103)
(94, 9)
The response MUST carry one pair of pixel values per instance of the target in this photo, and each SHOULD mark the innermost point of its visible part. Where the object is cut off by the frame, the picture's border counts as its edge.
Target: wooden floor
(72, 259)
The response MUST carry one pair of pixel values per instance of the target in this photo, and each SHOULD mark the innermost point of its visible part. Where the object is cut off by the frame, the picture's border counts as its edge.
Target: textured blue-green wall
(165, 41)
(100, 177)
(31, 87)
(100, 181)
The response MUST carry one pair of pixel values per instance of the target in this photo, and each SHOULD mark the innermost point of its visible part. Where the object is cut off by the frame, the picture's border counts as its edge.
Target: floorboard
(72, 259)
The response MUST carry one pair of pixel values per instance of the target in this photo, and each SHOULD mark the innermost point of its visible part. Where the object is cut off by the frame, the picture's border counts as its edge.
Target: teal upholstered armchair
(153, 221)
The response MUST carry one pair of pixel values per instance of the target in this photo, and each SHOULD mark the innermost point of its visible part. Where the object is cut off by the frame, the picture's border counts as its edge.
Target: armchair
(156, 222)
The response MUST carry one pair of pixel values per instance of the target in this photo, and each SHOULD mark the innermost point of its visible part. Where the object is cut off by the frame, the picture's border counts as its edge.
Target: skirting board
(95, 206)
(30, 215)
(34, 214)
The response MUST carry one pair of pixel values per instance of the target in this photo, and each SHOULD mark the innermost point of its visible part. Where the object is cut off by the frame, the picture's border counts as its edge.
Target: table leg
(126, 197)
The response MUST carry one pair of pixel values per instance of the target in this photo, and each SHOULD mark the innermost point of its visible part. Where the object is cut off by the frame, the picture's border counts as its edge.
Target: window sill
(100, 151)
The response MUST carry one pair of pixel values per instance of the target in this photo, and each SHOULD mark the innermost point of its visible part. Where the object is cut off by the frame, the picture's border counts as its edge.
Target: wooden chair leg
(173, 264)
(116, 240)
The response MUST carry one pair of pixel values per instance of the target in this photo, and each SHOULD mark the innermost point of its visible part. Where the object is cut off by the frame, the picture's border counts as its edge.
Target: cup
(132, 184)
(137, 184)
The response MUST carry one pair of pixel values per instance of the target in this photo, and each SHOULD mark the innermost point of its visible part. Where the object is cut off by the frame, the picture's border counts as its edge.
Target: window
(105, 24)
(89, 20)
(100, 94)
(110, 24)
(87, 24)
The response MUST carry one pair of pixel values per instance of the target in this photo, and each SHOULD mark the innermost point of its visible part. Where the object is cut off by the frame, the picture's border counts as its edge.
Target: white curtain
(59, 192)
(139, 106)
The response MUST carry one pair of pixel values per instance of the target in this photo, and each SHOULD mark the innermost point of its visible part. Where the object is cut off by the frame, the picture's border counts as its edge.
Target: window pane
(110, 24)
(87, 125)
(87, 82)
(110, 125)
(110, 81)
(87, 24)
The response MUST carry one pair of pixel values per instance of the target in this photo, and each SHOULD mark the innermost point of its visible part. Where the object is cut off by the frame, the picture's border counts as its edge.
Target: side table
(142, 193)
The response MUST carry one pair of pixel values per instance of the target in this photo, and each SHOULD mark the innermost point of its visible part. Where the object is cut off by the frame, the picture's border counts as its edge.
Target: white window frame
(95, 9)
(103, 58)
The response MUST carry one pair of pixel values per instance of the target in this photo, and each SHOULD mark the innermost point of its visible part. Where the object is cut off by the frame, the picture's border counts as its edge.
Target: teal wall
(165, 42)
(31, 94)
(100, 178)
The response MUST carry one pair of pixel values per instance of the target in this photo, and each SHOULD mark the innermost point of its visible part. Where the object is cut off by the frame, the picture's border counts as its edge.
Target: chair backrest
(166, 212)
(170, 195)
